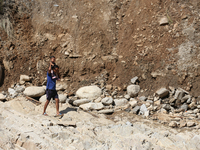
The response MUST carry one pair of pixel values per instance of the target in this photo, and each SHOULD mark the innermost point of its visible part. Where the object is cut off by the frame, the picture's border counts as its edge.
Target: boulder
(92, 106)
(62, 98)
(163, 92)
(34, 91)
(164, 21)
(2, 97)
(43, 98)
(120, 102)
(61, 86)
(81, 101)
(19, 89)
(24, 78)
(185, 98)
(89, 92)
(133, 90)
(107, 101)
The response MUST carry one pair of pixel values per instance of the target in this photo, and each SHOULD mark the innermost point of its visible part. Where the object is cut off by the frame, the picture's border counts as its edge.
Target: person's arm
(49, 70)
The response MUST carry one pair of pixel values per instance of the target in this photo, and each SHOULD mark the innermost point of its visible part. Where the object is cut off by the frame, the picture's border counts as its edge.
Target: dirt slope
(106, 42)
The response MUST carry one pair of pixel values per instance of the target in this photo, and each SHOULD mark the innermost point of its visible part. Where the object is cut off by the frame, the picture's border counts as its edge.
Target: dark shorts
(51, 94)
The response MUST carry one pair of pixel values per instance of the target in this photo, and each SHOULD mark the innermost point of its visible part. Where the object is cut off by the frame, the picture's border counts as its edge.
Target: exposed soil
(107, 41)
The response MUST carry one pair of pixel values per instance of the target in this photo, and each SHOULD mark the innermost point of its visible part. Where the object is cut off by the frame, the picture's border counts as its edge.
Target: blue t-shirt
(51, 82)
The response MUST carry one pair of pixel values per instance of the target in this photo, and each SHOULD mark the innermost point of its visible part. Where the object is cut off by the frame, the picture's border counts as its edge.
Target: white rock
(43, 98)
(61, 86)
(24, 78)
(81, 101)
(133, 80)
(19, 89)
(62, 98)
(163, 92)
(12, 92)
(107, 100)
(190, 124)
(89, 92)
(164, 21)
(173, 124)
(92, 106)
(127, 96)
(106, 111)
(133, 90)
(34, 91)
(143, 110)
(2, 97)
(133, 103)
(120, 102)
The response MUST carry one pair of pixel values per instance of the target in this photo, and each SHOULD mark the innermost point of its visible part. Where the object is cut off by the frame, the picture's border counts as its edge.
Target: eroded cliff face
(103, 42)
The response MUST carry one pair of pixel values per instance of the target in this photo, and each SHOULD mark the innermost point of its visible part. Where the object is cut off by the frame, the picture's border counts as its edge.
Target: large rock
(19, 89)
(120, 102)
(133, 90)
(163, 92)
(62, 98)
(89, 92)
(34, 91)
(107, 101)
(43, 98)
(2, 97)
(81, 101)
(24, 78)
(92, 106)
(61, 86)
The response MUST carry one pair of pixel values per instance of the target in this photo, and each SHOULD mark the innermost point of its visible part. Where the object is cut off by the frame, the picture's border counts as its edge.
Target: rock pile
(177, 104)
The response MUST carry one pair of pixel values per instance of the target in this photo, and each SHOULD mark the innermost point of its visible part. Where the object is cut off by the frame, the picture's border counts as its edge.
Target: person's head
(52, 59)
(55, 68)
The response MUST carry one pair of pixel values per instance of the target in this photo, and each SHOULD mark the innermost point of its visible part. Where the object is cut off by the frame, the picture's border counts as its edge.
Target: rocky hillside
(102, 42)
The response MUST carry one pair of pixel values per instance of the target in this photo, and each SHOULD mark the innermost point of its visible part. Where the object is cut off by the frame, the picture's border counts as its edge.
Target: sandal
(59, 115)
(45, 114)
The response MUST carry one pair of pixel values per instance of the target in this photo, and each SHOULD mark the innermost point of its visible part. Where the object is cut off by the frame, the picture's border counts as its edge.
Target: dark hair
(52, 57)
(55, 66)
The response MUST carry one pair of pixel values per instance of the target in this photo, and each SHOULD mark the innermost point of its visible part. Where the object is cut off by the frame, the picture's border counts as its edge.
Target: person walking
(51, 87)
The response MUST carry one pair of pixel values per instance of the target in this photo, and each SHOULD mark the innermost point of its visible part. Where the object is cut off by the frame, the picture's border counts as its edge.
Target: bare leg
(45, 106)
(57, 106)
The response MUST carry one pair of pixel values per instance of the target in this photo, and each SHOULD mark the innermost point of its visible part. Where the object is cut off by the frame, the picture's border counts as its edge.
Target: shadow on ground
(68, 110)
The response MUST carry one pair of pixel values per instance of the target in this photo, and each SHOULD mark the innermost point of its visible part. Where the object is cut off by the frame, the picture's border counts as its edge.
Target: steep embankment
(102, 42)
